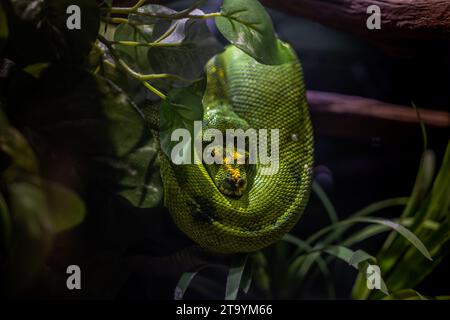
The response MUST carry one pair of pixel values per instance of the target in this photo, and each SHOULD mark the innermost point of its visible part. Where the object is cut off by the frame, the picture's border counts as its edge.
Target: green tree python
(231, 208)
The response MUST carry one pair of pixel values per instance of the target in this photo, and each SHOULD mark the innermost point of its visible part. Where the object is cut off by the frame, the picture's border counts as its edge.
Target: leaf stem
(129, 10)
(143, 78)
(176, 16)
(116, 20)
(147, 44)
(154, 90)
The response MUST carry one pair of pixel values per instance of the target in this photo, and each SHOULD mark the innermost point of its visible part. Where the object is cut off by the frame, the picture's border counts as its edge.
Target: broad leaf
(66, 209)
(179, 111)
(135, 177)
(193, 45)
(248, 26)
(31, 234)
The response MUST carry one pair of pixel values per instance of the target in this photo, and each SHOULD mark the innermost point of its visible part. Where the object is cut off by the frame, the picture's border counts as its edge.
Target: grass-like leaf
(234, 277)
(184, 283)
(329, 208)
(411, 237)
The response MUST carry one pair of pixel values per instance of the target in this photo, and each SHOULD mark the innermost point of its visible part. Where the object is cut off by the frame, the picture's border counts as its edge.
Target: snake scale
(234, 208)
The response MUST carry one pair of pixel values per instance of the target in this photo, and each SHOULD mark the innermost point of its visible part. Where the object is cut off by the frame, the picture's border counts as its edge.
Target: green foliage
(235, 276)
(32, 210)
(247, 25)
(405, 267)
(179, 111)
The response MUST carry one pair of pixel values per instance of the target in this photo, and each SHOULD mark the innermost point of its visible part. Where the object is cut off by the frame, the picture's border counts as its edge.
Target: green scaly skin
(230, 216)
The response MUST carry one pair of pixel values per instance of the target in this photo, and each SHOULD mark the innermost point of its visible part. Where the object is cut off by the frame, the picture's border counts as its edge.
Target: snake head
(230, 175)
(231, 180)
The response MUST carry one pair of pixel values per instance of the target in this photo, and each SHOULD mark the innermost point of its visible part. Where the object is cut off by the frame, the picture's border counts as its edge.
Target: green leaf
(5, 223)
(36, 69)
(31, 234)
(183, 284)
(66, 209)
(360, 260)
(247, 25)
(364, 234)
(192, 46)
(411, 237)
(85, 113)
(235, 276)
(136, 56)
(18, 162)
(246, 281)
(406, 294)
(326, 202)
(340, 227)
(135, 177)
(179, 111)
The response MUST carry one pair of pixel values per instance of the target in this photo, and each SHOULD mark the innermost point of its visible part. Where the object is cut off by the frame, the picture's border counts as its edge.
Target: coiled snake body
(235, 208)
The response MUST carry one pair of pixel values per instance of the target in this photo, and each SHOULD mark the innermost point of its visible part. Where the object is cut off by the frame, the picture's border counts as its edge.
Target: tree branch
(404, 21)
(356, 117)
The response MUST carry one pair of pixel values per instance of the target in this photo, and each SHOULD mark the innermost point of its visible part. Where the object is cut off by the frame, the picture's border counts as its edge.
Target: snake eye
(241, 182)
(213, 152)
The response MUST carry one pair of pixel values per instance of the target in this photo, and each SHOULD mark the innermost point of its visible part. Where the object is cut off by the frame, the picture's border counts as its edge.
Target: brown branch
(404, 21)
(357, 117)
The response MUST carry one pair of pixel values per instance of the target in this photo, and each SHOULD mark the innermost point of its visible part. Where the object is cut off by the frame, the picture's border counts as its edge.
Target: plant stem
(116, 20)
(176, 16)
(154, 90)
(148, 44)
(127, 10)
(134, 74)
(143, 78)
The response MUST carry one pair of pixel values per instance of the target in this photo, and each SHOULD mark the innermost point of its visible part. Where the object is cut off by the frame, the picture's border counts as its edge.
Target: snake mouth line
(237, 193)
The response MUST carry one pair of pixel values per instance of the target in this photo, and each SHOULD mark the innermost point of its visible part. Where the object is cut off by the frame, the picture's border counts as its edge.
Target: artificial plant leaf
(152, 15)
(408, 235)
(406, 294)
(97, 122)
(85, 113)
(247, 25)
(31, 234)
(187, 49)
(66, 209)
(134, 177)
(5, 224)
(359, 260)
(184, 283)
(234, 277)
(179, 111)
(17, 160)
(247, 276)
(135, 56)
